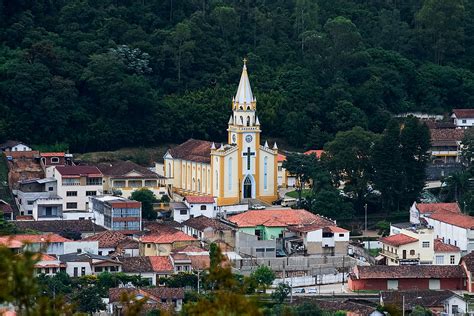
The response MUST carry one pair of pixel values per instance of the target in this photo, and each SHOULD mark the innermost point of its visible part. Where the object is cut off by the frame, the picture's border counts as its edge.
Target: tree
(281, 292)
(421, 311)
(147, 198)
(263, 276)
(442, 21)
(89, 300)
(300, 166)
(348, 159)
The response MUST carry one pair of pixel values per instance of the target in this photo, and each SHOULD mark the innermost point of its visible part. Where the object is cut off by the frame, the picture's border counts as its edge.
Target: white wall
(210, 211)
(467, 122)
(455, 300)
(77, 215)
(233, 190)
(84, 246)
(21, 147)
(453, 235)
(271, 169)
(71, 265)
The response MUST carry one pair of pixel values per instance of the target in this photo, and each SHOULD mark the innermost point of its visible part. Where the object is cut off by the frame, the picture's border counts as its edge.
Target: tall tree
(147, 198)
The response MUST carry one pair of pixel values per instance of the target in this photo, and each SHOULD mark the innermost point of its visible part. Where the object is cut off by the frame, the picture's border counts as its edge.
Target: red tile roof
(463, 113)
(122, 169)
(454, 134)
(281, 158)
(78, 170)
(398, 240)
(58, 154)
(278, 218)
(24, 218)
(459, 220)
(336, 229)
(409, 272)
(161, 263)
(166, 237)
(440, 246)
(317, 152)
(468, 260)
(438, 207)
(199, 199)
(200, 262)
(5, 207)
(17, 241)
(108, 239)
(193, 150)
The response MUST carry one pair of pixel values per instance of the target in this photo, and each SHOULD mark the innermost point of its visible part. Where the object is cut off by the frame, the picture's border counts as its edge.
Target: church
(235, 172)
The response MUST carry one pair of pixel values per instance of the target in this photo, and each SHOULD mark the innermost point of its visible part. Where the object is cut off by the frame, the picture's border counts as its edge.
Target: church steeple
(244, 96)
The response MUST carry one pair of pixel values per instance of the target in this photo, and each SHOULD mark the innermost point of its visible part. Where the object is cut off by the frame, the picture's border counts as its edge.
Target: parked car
(257, 207)
(298, 291)
(288, 202)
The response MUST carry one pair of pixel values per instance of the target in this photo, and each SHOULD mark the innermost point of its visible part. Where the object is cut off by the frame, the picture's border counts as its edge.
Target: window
(83, 271)
(280, 168)
(91, 193)
(75, 271)
(71, 193)
(98, 269)
(265, 173)
(54, 160)
(150, 183)
(229, 173)
(412, 252)
(425, 244)
(341, 235)
(71, 205)
(94, 181)
(455, 309)
(71, 181)
(452, 259)
(183, 212)
(119, 184)
(48, 211)
(31, 202)
(50, 188)
(203, 207)
(148, 245)
(30, 212)
(217, 180)
(439, 259)
(464, 121)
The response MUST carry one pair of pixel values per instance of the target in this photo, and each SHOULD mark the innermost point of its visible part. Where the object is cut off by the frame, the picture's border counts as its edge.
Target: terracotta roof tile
(409, 272)
(193, 150)
(200, 199)
(278, 218)
(463, 113)
(336, 229)
(157, 293)
(398, 240)
(202, 222)
(55, 226)
(58, 154)
(123, 168)
(425, 298)
(161, 263)
(109, 239)
(281, 158)
(468, 260)
(200, 262)
(17, 241)
(317, 152)
(447, 134)
(459, 220)
(166, 237)
(78, 170)
(438, 207)
(136, 264)
(440, 246)
(190, 249)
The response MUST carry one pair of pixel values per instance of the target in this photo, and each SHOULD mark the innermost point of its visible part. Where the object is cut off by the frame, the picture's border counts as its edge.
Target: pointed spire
(213, 146)
(222, 147)
(266, 144)
(231, 120)
(244, 91)
(257, 122)
(275, 147)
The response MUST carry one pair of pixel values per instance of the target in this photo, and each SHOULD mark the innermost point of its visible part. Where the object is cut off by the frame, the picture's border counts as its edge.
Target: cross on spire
(245, 61)
(249, 154)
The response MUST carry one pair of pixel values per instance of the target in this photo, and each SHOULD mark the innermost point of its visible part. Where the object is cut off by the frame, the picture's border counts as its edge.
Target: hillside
(101, 75)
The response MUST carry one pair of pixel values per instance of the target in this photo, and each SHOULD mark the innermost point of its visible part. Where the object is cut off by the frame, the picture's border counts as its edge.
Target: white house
(80, 264)
(455, 305)
(463, 118)
(12, 145)
(49, 265)
(196, 205)
(75, 184)
(53, 243)
(422, 210)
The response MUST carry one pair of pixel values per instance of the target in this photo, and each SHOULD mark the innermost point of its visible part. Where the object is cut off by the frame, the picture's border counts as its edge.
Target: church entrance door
(247, 188)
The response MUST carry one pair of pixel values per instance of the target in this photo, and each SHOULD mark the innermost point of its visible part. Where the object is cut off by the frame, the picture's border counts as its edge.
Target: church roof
(193, 150)
(244, 92)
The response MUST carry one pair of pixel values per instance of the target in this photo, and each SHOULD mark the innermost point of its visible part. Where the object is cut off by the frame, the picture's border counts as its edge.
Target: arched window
(217, 181)
(241, 120)
(183, 175)
(229, 173)
(265, 173)
(189, 177)
(208, 179)
(248, 120)
(199, 185)
(248, 107)
(169, 169)
(194, 185)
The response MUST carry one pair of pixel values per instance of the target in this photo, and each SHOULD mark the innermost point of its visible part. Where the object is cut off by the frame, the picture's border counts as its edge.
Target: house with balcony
(83, 263)
(124, 177)
(49, 265)
(117, 213)
(463, 118)
(413, 245)
(75, 184)
(38, 199)
(296, 231)
(446, 145)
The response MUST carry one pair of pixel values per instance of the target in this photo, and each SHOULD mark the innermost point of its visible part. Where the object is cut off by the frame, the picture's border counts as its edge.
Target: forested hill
(103, 74)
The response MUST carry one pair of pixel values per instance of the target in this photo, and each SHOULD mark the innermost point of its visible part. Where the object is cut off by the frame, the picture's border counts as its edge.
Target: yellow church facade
(234, 172)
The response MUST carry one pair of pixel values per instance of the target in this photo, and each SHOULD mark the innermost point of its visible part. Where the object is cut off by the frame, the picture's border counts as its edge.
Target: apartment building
(117, 213)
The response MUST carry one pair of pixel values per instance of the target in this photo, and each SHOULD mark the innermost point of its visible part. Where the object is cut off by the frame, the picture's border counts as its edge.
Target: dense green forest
(105, 74)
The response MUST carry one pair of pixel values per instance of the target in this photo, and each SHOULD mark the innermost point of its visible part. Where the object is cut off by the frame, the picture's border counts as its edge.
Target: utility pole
(199, 274)
(365, 207)
(403, 305)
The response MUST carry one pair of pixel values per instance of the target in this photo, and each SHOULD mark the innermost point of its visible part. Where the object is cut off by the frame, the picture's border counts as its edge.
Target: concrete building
(195, 206)
(210, 230)
(13, 145)
(124, 177)
(81, 264)
(162, 242)
(150, 268)
(117, 213)
(38, 199)
(75, 184)
(114, 243)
